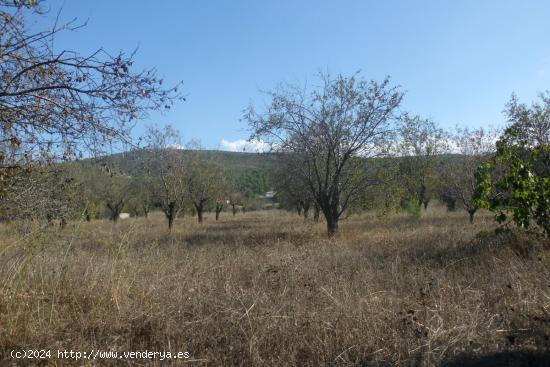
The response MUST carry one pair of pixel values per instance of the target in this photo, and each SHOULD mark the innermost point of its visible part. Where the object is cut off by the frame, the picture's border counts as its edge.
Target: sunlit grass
(269, 288)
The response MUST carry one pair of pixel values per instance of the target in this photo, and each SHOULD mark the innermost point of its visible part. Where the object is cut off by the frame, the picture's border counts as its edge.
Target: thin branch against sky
(459, 62)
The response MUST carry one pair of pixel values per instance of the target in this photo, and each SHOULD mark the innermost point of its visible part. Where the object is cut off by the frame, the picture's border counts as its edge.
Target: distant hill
(233, 161)
(252, 172)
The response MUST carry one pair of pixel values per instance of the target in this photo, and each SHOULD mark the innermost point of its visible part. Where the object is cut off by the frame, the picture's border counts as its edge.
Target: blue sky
(457, 61)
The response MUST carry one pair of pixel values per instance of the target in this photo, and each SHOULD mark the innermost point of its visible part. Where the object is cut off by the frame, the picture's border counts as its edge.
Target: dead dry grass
(269, 289)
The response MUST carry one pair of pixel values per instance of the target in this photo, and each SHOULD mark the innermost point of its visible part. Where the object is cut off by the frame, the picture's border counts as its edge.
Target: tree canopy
(516, 183)
(327, 129)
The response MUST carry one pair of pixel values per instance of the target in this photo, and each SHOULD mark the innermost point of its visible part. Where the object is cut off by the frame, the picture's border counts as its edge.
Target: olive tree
(330, 129)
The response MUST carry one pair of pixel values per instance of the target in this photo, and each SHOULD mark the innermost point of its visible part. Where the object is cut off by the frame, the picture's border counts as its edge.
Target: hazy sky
(458, 61)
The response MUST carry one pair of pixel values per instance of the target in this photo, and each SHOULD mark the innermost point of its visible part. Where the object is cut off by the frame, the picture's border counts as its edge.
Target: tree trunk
(170, 213)
(330, 211)
(306, 206)
(219, 208)
(316, 211)
(199, 208)
(299, 209)
(451, 205)
(115, 211)
(472, 212)
(423, 197)
(332, 226)
(146, 211)
(170, 222)
(234, 209)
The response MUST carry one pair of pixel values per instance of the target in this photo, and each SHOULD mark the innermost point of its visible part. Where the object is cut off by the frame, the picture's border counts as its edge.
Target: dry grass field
(269, 289)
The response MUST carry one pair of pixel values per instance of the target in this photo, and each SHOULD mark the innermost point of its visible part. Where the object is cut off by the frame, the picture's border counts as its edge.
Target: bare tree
(220, 203)
(459, 173)
(60, 104)
(165, 168)
(421, 143)
(222, 193)
(292, 193)
(112, 187)
(41, 193)
(330, 130)
(141, 195)
(236, 200)
(204, 179)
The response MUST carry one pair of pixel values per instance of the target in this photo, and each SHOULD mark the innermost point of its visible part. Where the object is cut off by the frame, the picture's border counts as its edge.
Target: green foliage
(413, 208)
(248, 173)
(252, 182)
(518, 191)
(516, 183)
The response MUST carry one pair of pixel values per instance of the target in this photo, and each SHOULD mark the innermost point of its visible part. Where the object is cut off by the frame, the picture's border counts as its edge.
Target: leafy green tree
(252, 182)
(516, 183)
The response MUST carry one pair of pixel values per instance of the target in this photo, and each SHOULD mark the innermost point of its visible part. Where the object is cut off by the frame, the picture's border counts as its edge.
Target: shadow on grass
(502, 359)
(247, 238)
(406, 222)
(523, 245)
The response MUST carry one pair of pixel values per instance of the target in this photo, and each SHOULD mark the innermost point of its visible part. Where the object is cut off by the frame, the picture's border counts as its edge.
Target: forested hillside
(251, 173)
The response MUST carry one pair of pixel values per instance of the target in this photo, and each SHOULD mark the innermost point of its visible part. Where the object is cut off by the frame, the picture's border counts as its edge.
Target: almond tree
(330, 129)
(222, 193)
(112, 187)
(203, 181)
(164, 167)
(59, 104)
(291, 191)
(459, 174)
(44, 193)
(421, 142)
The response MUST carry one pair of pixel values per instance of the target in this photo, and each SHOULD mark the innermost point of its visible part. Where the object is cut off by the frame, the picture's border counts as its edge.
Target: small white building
(124, 216)
(270, 194)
